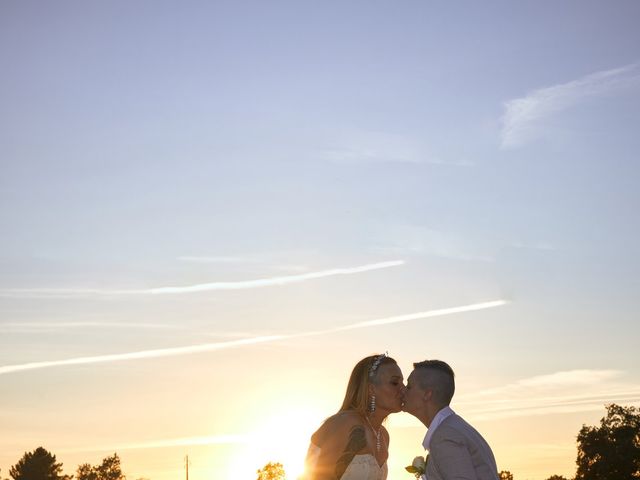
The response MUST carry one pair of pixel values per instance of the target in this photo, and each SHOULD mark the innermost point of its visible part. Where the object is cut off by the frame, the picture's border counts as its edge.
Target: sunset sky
(211, 210)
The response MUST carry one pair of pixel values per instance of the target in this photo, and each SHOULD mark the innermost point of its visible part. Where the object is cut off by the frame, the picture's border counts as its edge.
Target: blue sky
(306, 166)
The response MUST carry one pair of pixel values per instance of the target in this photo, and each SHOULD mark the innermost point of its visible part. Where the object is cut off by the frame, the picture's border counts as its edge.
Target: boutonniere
(418, 466)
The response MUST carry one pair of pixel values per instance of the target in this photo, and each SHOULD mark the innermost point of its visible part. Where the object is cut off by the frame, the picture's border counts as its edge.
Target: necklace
(376, 433)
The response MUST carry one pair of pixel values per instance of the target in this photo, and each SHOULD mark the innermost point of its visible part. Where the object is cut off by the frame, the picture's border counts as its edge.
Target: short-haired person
(456, 449)
(353, 444)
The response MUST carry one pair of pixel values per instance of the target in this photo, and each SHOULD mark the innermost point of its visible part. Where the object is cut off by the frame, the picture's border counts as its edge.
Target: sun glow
(282, 438)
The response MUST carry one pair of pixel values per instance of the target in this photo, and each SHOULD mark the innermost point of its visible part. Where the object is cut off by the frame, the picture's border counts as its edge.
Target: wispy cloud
(164, 443)
(49, 326)
(237, 285)
(522, 116)
(246, 260)
(559, 392)
(420, 240)
(372, 147)
(218, 259)
(207, 347)
(542, 246)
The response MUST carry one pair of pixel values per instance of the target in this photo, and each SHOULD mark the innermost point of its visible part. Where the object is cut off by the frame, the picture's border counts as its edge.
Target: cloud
(261, 260)
(567, 391)
(207, 347)
(172, 442)
(221, 259)
(542, 246)
(522, 116)
(238, 285)
(420, 240)
(48, 326)
(368, 147)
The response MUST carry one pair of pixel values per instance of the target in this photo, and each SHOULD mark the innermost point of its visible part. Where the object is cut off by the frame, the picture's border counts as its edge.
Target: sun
(283, 437)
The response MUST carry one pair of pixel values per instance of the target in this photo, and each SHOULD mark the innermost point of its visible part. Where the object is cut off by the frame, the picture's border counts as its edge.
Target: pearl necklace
(376, 433)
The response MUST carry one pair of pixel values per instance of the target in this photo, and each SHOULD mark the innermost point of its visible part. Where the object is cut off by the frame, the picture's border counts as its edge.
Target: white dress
(365, 467)
(362, 467)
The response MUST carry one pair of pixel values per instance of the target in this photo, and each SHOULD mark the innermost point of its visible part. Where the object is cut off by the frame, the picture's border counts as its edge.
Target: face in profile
(389, 388)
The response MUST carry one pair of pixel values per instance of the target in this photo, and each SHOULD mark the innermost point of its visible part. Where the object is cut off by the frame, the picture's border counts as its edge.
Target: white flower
(419, 463)
(418, 466)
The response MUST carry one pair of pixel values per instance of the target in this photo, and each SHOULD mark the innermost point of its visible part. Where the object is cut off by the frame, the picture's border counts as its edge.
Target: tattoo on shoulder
(356, 442)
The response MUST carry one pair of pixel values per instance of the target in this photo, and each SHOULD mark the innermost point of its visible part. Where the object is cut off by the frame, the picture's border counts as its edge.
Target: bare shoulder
(337, 426)
(343, 421)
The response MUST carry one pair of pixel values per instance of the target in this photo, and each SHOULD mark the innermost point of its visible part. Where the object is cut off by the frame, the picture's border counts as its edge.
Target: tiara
(376, 364)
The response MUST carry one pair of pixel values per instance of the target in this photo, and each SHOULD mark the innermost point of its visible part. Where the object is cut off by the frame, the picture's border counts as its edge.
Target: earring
(372, 403)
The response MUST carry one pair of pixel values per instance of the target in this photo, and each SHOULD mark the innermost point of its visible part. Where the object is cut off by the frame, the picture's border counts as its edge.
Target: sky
(211, 210)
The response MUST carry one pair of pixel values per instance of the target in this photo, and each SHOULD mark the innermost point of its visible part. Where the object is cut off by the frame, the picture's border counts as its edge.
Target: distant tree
(109, 469)
(557, 477)
(38, 465)
(612, 450)
(505, 475)
(85, 472)
(271, 471)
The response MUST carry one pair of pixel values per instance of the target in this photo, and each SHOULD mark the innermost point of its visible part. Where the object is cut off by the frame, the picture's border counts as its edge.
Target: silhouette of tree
(271, 471)
(505, 475)
(109, 469)
(38, 465)
(557, 477)
(611, 450)
(85, 472)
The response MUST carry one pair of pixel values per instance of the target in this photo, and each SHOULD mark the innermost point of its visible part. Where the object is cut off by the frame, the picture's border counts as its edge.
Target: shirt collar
(437, 420)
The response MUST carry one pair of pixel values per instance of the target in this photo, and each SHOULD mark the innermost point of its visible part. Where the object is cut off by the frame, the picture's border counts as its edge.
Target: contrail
(239, 285)
(206, 347)
(265, 282)
(161, 352)
(427, 314)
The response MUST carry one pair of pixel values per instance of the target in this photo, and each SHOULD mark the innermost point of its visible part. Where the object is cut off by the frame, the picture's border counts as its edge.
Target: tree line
(609, 451)
(43, 465)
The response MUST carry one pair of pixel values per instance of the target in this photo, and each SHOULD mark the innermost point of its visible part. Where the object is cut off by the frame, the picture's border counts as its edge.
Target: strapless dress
(365, 467)
(362, 467)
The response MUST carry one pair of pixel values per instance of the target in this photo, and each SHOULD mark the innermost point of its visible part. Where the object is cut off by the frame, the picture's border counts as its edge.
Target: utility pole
(186, 465)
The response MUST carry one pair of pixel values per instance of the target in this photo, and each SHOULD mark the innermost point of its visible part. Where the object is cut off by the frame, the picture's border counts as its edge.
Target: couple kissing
(353, 444)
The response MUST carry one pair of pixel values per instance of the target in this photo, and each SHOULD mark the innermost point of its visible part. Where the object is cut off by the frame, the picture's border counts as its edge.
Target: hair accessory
(376, 364)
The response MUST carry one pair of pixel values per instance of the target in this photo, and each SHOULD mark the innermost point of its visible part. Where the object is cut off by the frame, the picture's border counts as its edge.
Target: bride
(353, 444)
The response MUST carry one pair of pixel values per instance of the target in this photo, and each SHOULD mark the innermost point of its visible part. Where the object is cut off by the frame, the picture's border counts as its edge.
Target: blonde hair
(363, 374)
